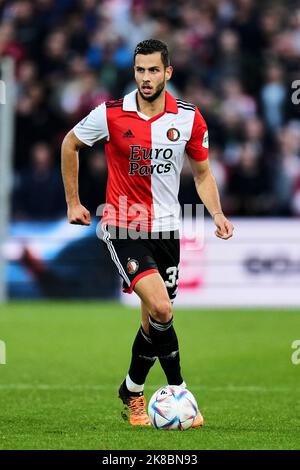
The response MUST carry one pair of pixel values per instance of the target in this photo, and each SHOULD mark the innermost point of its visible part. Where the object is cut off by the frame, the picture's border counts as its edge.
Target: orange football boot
(198, 421)
(134, 409)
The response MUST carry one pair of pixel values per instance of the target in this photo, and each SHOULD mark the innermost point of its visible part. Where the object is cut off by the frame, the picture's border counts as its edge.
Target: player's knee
(162, 311)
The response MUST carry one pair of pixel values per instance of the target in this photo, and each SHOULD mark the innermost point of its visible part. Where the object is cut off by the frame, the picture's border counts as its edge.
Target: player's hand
(79, 215)
(224, 227)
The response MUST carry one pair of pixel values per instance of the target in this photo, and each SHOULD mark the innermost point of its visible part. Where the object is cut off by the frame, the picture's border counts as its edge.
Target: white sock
(183, 385)
(133, 387)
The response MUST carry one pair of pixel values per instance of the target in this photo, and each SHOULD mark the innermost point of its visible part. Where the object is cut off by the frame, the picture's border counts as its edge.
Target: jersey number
(172, 279)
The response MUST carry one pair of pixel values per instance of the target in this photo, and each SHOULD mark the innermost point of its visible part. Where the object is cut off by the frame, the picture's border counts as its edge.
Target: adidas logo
(128, 134)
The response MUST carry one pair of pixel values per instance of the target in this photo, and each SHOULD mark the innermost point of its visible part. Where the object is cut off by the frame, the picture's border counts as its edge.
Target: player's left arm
(206, 186)
(207, 190)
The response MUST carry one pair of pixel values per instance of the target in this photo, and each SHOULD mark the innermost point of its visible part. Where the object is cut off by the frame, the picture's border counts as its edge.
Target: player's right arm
(88, 131)
(77, 213)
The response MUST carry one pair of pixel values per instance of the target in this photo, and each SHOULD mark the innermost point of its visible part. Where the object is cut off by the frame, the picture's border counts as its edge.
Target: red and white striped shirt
(144, 158)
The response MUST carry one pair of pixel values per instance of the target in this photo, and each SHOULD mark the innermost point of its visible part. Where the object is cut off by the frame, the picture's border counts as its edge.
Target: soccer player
(146, 135)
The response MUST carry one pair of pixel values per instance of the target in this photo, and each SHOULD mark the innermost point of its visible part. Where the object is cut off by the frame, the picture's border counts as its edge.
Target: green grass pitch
(65, 361)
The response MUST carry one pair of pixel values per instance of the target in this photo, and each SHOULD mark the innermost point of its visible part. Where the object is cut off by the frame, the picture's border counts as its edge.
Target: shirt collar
(130, 104)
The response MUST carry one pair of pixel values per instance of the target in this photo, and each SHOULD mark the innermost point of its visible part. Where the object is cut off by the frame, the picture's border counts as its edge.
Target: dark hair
(153, 45)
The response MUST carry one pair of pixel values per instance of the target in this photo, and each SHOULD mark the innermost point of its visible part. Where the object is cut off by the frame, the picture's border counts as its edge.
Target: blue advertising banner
(59, 260)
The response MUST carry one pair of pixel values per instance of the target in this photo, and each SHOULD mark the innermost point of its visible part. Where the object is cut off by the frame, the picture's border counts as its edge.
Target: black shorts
(140, 254)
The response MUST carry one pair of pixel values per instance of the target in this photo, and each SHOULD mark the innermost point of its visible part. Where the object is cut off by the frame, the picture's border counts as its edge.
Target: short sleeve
(93, 127)
(197, 146)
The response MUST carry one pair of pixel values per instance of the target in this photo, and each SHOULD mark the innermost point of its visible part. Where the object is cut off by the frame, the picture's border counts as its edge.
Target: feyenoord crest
(132, 266)
(173, 134)
(205, 140)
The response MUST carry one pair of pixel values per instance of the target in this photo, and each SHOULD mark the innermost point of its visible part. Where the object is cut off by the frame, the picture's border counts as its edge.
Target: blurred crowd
(235, 59)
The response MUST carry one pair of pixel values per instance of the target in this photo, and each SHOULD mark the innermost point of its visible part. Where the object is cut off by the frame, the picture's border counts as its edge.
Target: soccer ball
(172, 407)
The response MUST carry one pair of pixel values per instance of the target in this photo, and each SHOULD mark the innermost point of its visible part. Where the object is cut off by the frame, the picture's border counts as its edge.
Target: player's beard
(150, 99)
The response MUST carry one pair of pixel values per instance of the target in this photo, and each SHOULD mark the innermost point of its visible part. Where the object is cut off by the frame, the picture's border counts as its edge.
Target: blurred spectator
(287, 172)
(250, 186)
(53, 59)
(81, 94)
(9, 46)
(27, 76)
(93, 181)
(271, 22)
(218, 169)
(236, 101)
(254, 133)
(229, 62)
(35, 121)
(187, 191)
(135, 25)
(273, 96)
(26, 26)
(39, 194)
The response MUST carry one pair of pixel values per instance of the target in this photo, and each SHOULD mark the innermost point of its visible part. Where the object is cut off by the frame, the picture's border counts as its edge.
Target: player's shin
(165, 342)
(143, 358)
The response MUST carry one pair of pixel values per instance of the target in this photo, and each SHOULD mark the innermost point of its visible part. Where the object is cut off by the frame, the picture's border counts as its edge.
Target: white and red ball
(172, 407)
